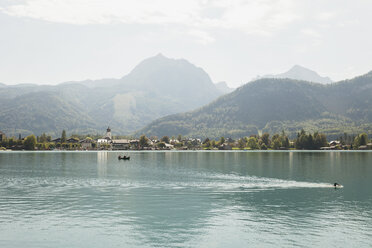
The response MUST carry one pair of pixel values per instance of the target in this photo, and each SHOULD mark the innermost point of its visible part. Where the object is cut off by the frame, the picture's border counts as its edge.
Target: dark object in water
(124, 157)
(337, 185)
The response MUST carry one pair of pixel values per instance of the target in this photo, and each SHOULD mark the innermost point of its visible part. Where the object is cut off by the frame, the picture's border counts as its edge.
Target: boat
(337, 186)
(123, 157)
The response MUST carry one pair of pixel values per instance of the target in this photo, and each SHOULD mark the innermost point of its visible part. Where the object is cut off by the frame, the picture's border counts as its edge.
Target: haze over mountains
(298, 72)
(158, 86)
(163, 96)
(274, 105)
(224, 88)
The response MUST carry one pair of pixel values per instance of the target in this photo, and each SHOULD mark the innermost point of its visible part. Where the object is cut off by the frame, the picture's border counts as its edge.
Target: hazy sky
(52, 41)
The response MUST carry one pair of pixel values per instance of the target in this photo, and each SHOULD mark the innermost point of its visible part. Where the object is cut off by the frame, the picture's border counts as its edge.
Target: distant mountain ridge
(224, 88)
(158, 86)
(274, 105)
(298, 72)
(163, 96)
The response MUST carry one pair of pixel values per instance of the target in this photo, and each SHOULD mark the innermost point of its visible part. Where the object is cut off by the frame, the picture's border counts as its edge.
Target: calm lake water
(185, 199)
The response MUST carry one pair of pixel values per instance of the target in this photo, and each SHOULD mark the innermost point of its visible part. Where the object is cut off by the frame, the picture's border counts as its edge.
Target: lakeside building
(57, 140)
(169, 146)
(2, 136)
(334, 143)
(134, 143)
(120, 144)
(72, 140)
(87, 143)
(105, 142)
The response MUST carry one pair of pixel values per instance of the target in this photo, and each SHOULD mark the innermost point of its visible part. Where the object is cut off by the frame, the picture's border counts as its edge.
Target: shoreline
(180, 151)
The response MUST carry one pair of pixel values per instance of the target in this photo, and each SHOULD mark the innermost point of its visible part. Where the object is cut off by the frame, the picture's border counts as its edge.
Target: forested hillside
(273, 105)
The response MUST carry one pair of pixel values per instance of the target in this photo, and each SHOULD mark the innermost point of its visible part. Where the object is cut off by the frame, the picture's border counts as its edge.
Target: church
(107, 142)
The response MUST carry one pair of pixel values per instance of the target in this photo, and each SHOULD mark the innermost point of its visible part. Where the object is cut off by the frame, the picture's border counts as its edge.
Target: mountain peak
(171, 77)
(160, 55)
(158, 61)
(299, 67)
(299, 72)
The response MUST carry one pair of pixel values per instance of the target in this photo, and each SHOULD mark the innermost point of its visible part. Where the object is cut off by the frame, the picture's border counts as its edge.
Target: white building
(106, 140)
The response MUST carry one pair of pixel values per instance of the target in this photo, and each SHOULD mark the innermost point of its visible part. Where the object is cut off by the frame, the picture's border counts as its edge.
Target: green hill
(274, 105)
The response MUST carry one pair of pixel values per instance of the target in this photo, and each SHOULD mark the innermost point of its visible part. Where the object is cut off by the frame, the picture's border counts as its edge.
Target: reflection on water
(185, 199)
(102, 163)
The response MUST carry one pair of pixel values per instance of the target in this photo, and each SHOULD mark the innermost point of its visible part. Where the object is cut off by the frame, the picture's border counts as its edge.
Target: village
(304, 141)
(107, 142)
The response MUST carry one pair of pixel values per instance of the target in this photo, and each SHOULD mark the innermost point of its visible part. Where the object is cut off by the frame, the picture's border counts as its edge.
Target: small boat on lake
(337, 186)
(123, 157)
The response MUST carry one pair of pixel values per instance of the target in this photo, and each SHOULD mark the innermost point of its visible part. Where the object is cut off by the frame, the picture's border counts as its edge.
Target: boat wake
(214, 182)
(253, 182)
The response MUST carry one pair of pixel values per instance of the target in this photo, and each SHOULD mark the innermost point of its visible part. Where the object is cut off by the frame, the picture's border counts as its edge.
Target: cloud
(311, 33)
(82, 12)
(326, 16)
(201, 37)
(262, 17)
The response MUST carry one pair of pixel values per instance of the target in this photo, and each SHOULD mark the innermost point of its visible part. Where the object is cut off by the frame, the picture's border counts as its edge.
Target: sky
(53, 41)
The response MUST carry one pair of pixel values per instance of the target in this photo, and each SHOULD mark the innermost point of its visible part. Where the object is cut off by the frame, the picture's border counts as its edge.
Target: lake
(185, 199)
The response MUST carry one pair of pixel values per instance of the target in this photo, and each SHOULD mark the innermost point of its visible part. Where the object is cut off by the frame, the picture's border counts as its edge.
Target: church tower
(108, 134)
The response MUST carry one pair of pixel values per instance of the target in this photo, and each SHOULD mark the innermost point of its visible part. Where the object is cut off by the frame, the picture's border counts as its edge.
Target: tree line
(303, 141)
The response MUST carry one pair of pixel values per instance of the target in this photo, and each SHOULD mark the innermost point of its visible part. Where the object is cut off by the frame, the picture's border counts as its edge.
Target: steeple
(108, 134)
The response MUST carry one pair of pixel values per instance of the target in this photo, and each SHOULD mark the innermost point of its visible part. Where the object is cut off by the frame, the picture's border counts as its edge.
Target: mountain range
(163, 96)
(158, 86)
(276, 105)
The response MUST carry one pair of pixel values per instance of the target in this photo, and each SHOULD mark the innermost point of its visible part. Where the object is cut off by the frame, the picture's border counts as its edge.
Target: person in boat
(336, 185)
(123, 157)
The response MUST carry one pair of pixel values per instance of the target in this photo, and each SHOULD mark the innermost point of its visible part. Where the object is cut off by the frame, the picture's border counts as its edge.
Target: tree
(241, 143)
(43, 138)
(252, 143)
(284, 140)
(310, 141)
(207, 144)
(30, 142)
(161, 145)
(63, 137)
(165, 139)
(222, 140)
(263, 146)
(12, 142)
(276, 143)
(266, 139)
(360, 140)
(179, 137)
(363, 139)
(143, 141)
(320, 140)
